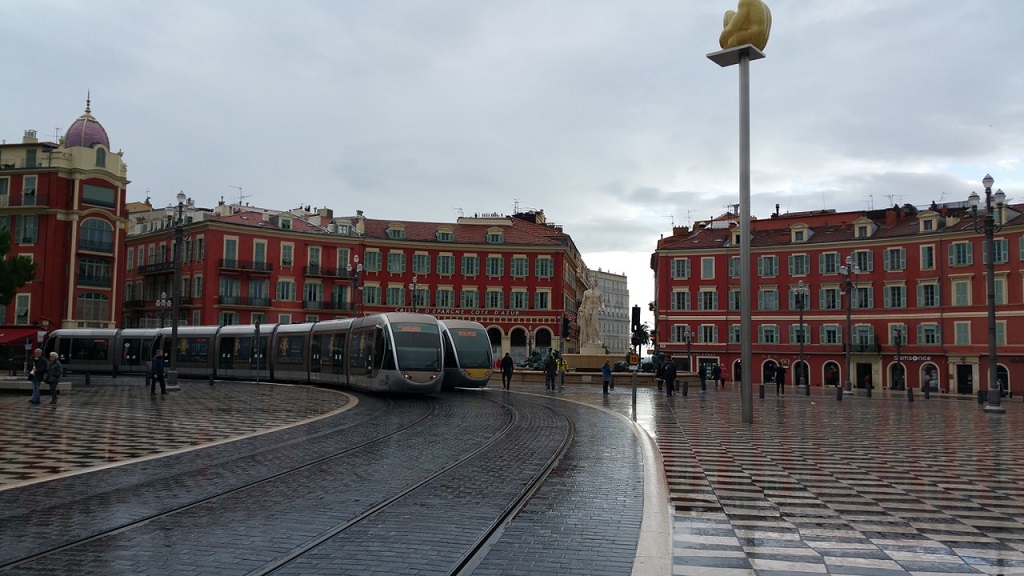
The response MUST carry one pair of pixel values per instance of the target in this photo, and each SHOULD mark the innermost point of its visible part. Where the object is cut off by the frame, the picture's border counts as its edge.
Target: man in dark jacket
(506, 371)
(156, 372)
(670, 376)
(550, 372)
(38, 373)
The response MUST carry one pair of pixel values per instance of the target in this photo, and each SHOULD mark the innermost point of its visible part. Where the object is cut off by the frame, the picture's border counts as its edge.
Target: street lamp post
(801, 303)
(849, 274)
(355, 275)
(163, 306)
(988, 226)
(898, 334)
(689, 342)
(529, 341)
(412, 289)
(179, 217)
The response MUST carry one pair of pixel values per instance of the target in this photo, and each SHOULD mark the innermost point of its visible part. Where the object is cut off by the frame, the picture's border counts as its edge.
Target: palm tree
(641, 336)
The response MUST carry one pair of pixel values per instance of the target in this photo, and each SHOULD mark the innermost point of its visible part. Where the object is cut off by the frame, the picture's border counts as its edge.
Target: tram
(392, 352)
(468, 359)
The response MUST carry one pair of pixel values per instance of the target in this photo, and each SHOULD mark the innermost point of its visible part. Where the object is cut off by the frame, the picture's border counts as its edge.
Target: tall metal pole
(847, 270)
(989, 228)
(801, 380)
(742, 55)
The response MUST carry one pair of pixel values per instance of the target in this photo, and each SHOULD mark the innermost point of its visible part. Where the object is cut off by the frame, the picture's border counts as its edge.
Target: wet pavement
(863, 486)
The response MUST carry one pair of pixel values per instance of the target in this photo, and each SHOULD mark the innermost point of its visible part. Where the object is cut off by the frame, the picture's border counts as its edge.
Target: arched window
(97, 236)
(101, 157)
(92, 307)
(930, 376)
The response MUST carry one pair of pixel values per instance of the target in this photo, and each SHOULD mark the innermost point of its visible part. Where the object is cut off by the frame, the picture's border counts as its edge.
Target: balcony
(246, 266)
(158, 268)
(254, 302)
(134, 304)
(105, 247)
(9, 201)
(327, 305)
(321, 271)
(95, 281)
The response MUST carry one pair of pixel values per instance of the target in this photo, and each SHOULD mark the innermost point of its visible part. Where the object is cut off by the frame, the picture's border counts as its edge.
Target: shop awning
(12, 336)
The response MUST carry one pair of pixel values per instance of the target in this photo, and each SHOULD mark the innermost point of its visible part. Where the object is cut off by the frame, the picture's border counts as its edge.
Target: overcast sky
(605, 114)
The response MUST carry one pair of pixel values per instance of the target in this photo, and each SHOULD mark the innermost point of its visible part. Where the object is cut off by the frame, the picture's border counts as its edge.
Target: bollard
(760, 391)
(686, 387)
(910, 394)
(839, 393)
(927, 392)
(87, 382)
(868, 388)
(807, 390)
(981, 396)
(211, 379)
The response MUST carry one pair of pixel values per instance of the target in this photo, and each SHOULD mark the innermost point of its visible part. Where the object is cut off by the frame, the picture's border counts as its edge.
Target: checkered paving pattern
(865, 486)
(114, 421)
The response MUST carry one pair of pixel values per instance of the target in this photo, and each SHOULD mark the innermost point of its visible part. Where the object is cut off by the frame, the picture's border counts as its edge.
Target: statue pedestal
(592, 349)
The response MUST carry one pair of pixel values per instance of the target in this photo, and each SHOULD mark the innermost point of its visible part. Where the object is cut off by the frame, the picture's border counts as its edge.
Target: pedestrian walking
(716, 375)
(156, 372)
(507, 366)
(780, 380)
(37, 373)
(550, 372)
(702, 371)
(563, 366)
(659, 374)
(606, 375)
(670, 377)
(54, 371)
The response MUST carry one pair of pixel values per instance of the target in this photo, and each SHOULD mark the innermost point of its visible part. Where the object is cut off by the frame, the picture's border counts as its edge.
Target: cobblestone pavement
(863, 486)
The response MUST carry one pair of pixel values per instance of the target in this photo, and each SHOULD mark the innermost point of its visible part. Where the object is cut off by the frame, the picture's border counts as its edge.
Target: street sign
(633, 359)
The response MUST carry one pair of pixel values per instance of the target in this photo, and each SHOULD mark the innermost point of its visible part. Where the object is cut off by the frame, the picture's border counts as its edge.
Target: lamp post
(849, 274)
(689, 337)
(412, 289)
(898, 335)
(529, 341)
(356, 276)
(988, 226)
(163, 306)
(179, 217)
(801, 303)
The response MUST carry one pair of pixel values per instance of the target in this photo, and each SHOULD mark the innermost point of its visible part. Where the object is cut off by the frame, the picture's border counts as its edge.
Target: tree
(642, 335)
(14, 272)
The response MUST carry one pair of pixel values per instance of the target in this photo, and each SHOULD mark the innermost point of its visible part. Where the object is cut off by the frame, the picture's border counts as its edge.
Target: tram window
(290, 349)
(90, 348)
(193, 349)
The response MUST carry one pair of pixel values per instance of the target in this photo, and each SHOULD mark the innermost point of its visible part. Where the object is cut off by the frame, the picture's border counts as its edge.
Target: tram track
(8, 563)
(482, 464)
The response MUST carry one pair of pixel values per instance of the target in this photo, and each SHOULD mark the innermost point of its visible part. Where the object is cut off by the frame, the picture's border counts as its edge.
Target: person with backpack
(156, 372)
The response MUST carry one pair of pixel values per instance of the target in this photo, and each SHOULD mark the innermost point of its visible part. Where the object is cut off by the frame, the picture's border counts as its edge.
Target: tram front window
(473, 346)
(419, 346)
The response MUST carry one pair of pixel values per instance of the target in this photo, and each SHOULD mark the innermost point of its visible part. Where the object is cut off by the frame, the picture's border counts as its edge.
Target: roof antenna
(459, 212)
(240, 195)
(515, 205)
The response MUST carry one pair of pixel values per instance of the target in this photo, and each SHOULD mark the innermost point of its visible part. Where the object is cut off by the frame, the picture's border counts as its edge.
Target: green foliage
(14, 272)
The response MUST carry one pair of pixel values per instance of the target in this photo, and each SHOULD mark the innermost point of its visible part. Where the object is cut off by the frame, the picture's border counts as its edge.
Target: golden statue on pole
(750, 23)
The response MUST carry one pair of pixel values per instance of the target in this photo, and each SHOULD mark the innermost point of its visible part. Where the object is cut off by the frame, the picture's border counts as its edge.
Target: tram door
(964, 379)
(315, 354)
(227, 353)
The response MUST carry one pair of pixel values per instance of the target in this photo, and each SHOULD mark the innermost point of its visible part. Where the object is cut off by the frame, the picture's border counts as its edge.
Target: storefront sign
(912, 358)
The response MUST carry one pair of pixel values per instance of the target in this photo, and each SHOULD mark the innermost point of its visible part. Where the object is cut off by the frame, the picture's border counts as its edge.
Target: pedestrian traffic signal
(636, 318)
(565, 326)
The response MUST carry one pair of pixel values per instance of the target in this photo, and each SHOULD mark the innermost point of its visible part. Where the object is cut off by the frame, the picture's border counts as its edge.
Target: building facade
(516, 275)
(613, 319)
(64, 204)
(918, 299)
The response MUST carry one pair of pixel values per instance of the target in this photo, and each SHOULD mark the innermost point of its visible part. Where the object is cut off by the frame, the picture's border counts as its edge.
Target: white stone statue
(593, 300)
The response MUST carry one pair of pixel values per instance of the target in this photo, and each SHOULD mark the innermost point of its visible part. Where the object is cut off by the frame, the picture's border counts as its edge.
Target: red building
(515, 275)
(921, 275)
(64, 204)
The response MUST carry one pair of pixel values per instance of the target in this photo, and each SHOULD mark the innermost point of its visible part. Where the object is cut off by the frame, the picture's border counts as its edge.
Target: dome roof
(86, 131)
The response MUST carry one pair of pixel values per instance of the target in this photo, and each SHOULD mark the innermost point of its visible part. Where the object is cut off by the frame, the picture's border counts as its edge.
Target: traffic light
(565, 326)
(636, 318)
